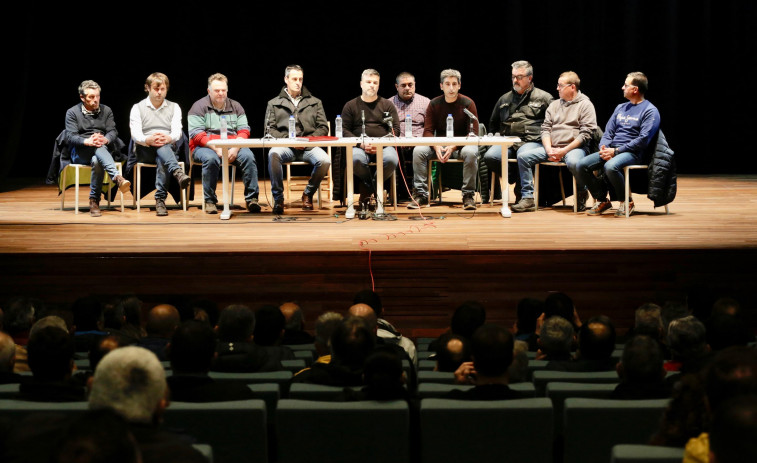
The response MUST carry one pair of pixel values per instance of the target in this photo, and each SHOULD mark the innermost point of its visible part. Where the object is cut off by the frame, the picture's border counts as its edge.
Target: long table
(348, 144)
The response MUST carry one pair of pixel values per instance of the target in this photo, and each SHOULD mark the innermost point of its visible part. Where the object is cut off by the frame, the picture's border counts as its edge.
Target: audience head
(352, 342)
(467, 318)
(641, 361)
(451, 351)
(7, 353)
(325, 326)
(365, 312)
(236, 324)
(87, 314)
(293, 316)
(269, 326)
(50, 320)
(556, 338)
(734, 427)
(673, 310)
(132, 382)
(559, 304)
(492, 350)
(687, 338)
(648, 321)
(20, 315)
(529, 310)
(639, 79)
(192, 347)
(51, 354)
(383, 375)
(162, 321)
(726, 305)
(518, 371)
(732, 372)
(113, 317)
(102, 347)
(371, 298)
(97, 436)
(206, 311)
(596, 339)
(131, 309)
(725, 329)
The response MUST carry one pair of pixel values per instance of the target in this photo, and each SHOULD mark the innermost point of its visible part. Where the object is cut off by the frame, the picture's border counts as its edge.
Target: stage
(422, 267)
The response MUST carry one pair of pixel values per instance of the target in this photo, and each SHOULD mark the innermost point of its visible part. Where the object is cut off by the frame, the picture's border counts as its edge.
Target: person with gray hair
(518, 113)
(687, 339)
(92, 139)
(459, 106)
(325, 326)
(556, 340)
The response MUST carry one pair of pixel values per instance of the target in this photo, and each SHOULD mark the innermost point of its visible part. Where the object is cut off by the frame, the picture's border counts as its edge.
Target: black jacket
(662, 173)
(310, 118)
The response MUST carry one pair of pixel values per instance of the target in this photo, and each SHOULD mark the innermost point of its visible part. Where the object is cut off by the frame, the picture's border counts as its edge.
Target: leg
(585, 176)
(211, 165)
(528, 156)
(390, 162)
(361, 169)
(493, 161)
(166, 162)
(321, 162)
(614, 171)
(571, 159)
(277, 157)
(421, 156)
(246, 161)
(469, 155)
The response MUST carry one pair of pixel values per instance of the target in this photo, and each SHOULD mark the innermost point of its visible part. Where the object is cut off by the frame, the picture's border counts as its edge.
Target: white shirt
(135, 121)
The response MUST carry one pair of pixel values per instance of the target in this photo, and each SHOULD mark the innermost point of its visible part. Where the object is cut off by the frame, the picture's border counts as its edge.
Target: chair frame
(77, 178)
(138, 184)
(288, 179)
(626, 173)
(233, 168)
(439, 180)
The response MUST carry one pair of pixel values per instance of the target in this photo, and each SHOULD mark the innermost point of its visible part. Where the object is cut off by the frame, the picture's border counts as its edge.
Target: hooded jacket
(310, 118)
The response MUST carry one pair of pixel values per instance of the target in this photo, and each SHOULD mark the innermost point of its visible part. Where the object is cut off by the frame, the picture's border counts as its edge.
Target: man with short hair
(162, 321)
(51, 359)
(631, 129)
(205, 124)
(454, 103)
(640, 371)
(296, 101)
(370, 115)
(687, 339)
(325, 326)
(518, 113)
(155, 125)
(566, 134)
(91, 136)
(235, 351)
(385, 330)
(409, 103)
(555, 341)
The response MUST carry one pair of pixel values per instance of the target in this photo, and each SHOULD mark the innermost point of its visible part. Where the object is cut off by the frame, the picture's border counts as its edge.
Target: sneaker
(253, 206)
(123, 185)
(524, 205)
(469, 202)
(160, 208)
(621, 212)
(599, 207)
(210, 207)
(581, 199)
(94, 208)
(418, 201)
(278, 207)
(182, 178)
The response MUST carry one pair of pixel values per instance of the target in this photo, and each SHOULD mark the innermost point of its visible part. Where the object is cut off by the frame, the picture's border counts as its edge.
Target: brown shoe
(94, 208)
(307, 202)
(160, 208)
(182, 178)
(123, 184)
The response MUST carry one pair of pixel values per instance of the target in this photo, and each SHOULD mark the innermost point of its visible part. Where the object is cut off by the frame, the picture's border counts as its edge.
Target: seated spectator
(561, 305)
(161, 323)
(88, 321)
(492, 351)
(648, 321)
(466, 319)
(734, 427)
(383, 377)
(51, 359)
(351, 343)
(518, 371)
(452, 350)
(687, 339)
(673, 310)
(235, 351)
(7, 360)
(269, 332)
(97, 436)
(385, 330)
(529, 310)
(191, 353)
(725, 330)
(294, 328)
(324, 329)
(640, 371)
(206, 311)
(596, 343)
(105, 345)
(18, 320)
(115, 321)
(132, 382)
(726, 305)
(555, 341)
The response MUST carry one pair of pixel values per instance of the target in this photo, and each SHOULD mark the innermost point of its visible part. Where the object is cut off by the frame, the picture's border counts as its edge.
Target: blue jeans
(101, 162)
(613, 170)
(532, 153)
(211, 167)
(165, 158)
(361, 169)
(315, 156)
(421, 156)
(493, 161)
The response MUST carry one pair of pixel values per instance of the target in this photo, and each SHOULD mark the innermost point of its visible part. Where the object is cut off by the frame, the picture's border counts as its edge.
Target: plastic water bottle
(338, 124)
(224, 128)
(408, 125)
(292, 131)
(450, 126)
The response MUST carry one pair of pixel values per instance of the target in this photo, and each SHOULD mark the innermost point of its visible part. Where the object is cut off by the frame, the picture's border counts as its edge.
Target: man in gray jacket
(310, 121)
(565, 137)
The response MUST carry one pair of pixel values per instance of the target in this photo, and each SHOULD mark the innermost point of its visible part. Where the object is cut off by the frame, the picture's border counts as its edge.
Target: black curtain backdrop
(699, 57)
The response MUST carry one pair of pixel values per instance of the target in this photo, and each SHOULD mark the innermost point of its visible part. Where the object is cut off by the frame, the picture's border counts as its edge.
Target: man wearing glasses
(518, 113)
(565, 137)
(629, 131)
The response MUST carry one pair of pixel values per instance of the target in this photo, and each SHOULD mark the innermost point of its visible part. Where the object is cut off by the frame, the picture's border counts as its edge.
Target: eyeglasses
(629, 85)
(562, 86)
(514, 77)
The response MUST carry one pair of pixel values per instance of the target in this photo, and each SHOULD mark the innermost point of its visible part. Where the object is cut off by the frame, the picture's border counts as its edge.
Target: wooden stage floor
(423, 268)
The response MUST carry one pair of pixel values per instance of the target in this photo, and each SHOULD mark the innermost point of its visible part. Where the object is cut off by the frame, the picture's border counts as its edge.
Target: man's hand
(465, 374)
(233, 154)
(158, 140)
(606, 153)
(443, 153)
(556, 154)
(96, 140)
(368, 148)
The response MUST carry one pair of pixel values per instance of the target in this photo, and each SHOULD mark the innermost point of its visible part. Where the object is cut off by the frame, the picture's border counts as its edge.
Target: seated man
(235, 351)
(596, 343)
(555, 342)
(294, 330)
(456, 104)
(204, 122)
(90, 131)
(269, 331)
(640, 371)
(162, 321)
(370, 115)
(51, 359)
(155, 125)
(628, 133)
(452, 351)
(566, 133)
(310, 121)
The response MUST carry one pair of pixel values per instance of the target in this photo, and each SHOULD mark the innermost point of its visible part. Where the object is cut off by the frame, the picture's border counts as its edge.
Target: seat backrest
(365, 432)
(439, 390)
(270, 393)
(307, 391)
(629, 453)
(557, 392)
(15, 410)
(443, 377)
(542, 377)
(293, 365)
(236, 430)
(502, 430)
(593, 426)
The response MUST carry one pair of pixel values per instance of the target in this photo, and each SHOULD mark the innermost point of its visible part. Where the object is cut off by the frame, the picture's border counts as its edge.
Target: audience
(555, 341)
(7, 360)
(596, 343)
(734, 427)
(640, 371)
(235, 351)
(518, 371)
(269, 332)
(688, 347)
(385, 330)
(51, 359)
(528, 312)
(88, 322)
(324, 329)
(465, 321)
(452, 350)
(18, 320)
(162, 320)
(294, 327)
(97, 436)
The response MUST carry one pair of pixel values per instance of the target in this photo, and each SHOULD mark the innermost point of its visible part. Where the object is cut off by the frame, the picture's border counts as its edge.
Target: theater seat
(439, 390)
(557, 392)
(627, 453)
(542, 377)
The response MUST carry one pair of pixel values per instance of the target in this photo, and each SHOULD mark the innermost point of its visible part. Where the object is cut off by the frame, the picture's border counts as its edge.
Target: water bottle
(292, 131)
(224, 128)
(450, 126)
(408, 125)
(338, 124)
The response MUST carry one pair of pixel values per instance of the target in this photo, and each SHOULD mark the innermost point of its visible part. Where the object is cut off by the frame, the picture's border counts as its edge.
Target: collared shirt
(135, 120)
(416, 107)
(87, 112)
(295, 101)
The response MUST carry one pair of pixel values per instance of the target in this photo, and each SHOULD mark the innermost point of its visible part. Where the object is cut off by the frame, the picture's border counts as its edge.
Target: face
(91, 99)
(370, 85)
(566, 91)
(451, 87)
(218, 91)
(406, 88)
(158, 93)
(520, 80)
(294, 82)
(629, 89)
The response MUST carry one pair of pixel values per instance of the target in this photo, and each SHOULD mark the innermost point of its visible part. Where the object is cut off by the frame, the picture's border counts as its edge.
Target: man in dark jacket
(296, 101)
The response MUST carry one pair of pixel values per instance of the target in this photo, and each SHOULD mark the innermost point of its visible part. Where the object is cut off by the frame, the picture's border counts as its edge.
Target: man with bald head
(161, 324)
(294, 328)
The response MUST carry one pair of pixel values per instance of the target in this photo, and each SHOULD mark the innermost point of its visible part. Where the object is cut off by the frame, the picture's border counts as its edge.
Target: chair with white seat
(289, 178)
(138, 185)
(86, 171)
(626, 173)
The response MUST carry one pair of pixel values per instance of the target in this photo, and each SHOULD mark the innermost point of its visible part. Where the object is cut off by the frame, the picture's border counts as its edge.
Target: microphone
(469, 114)
(362, 114)
(388, 120)
(267, 122)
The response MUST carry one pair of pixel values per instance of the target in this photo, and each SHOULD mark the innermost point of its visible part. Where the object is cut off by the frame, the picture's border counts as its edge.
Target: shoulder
(466, 100)
(541, 94)
(74, 110)
(422, 99)
(236, 106)
(199, 106)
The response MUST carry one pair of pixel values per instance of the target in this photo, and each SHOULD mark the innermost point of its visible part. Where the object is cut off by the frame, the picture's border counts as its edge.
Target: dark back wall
(697, 54)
